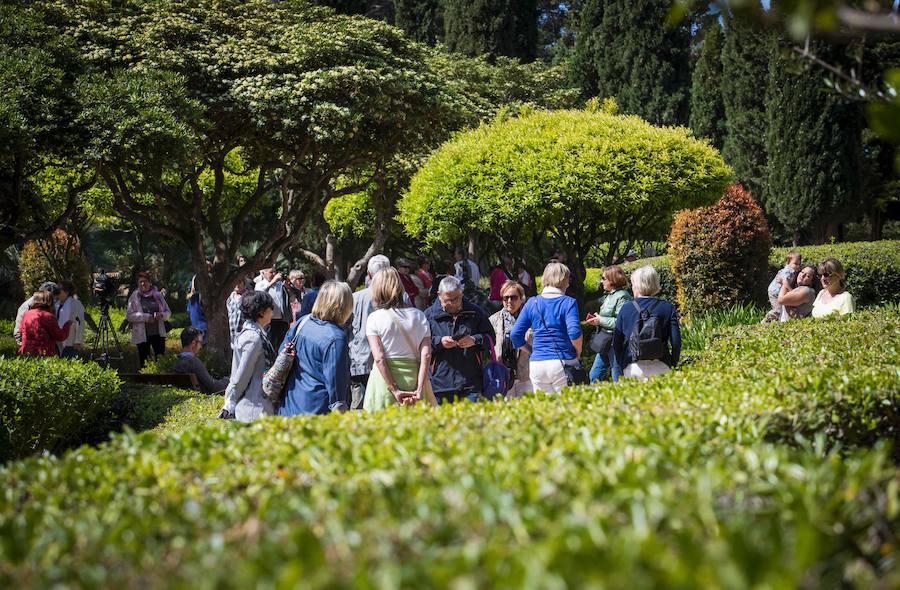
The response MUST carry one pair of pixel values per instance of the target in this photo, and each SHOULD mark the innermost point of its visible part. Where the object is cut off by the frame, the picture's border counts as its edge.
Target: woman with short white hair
(320, 380)
(557, 337)
(647, 337)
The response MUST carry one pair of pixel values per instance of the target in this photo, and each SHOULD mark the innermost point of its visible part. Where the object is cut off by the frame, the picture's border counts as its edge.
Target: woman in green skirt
(401, 347)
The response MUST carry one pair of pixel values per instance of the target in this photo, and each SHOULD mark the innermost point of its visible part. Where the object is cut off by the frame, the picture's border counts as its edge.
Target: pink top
(498, 277)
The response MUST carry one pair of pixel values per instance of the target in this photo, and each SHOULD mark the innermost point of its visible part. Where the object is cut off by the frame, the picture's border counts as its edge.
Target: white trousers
(549, 376)
(643, 370)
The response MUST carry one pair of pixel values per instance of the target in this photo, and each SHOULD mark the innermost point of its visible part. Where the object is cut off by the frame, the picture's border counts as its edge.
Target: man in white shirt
(273, 283)
(473, 270)
(70, 309)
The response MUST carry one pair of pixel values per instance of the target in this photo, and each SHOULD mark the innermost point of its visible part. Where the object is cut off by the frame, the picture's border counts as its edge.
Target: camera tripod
(100, 344)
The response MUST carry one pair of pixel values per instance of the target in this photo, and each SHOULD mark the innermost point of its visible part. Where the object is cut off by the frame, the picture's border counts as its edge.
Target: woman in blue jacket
(320, 380)
(557, 339)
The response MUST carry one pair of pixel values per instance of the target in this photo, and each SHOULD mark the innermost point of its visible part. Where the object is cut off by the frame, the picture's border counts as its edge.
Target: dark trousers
(277, 330)
(155, 345)
(448, 397)
(358, 391)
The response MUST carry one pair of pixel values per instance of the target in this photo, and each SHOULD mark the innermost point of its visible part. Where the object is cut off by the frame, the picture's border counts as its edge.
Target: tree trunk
(218, 335)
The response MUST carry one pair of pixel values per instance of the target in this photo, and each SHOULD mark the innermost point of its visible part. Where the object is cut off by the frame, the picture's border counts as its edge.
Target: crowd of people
(409, 337)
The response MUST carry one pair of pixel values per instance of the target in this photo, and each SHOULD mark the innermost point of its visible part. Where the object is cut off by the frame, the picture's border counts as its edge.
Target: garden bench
(182, 380)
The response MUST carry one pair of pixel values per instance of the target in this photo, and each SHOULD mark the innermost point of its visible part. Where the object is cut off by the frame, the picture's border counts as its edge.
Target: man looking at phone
(460, 336)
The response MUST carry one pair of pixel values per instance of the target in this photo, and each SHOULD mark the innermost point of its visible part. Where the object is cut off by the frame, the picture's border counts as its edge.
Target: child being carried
(788, 274)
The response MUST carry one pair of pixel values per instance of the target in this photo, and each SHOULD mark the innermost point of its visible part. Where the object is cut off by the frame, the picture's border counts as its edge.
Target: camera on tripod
(104, 289)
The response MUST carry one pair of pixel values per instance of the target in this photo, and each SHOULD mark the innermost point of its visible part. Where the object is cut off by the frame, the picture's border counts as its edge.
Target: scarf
(269, 351)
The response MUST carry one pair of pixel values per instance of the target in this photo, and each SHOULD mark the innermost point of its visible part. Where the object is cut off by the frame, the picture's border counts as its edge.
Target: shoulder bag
(276, 377)
(575, 374)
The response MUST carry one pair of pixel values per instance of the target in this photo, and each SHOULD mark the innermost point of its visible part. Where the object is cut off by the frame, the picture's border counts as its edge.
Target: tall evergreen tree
(813, 142)
(707, 109)
(628, 50)
(745, 70)
(492, 27)
(423, 20)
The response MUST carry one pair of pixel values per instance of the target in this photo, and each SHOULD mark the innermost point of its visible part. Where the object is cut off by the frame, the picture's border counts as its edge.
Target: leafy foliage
(584, 177)
(813, 141)
(491, 27)
(707, 108)
(52, 404)
(632, 52)
(719, 253)
(55, 258)
(692, 465)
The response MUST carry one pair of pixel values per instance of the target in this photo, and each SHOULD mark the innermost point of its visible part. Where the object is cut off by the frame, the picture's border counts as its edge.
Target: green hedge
(873, 270)
(51, 404)
(718, 475)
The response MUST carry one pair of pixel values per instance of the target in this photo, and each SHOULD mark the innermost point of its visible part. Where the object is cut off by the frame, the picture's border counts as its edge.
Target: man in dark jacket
(460, 337)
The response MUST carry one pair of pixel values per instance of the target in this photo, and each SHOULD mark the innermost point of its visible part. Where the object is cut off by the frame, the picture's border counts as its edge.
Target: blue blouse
(553, 340)
(320, 380)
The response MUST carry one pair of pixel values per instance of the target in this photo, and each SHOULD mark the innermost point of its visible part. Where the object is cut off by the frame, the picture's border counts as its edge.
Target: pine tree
(813, 142)
(423, 20)
(627, 50)
(707, 109)
(492, 27)
(745, 70)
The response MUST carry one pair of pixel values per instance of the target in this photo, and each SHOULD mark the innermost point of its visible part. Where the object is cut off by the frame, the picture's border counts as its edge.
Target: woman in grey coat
(253, 354)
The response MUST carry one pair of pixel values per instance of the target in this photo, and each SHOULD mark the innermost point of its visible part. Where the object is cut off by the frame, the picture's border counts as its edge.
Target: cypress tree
(813, 142)
(492, 27)
(745, 70)
(707, 109)
(423, 20)
(628, 50)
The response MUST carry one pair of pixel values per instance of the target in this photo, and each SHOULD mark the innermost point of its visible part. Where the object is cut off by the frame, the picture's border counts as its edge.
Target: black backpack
(645, 343)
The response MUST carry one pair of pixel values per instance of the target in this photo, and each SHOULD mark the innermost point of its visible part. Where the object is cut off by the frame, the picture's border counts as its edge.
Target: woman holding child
(798, 302)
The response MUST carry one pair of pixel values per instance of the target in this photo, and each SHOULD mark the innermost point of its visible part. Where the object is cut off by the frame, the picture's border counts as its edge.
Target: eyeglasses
(510, 298)
(826, 275)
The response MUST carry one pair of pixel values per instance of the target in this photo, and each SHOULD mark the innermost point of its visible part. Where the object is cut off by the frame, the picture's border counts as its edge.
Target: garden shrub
(872, 268)
(719, 254)
(52, 259)
(52, 404)
(681, 481)
(165, 409)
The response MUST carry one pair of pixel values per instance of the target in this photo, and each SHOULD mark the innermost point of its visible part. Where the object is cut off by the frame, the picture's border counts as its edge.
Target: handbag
(575, 373)
(601, 341)
(495, 375)
(276, 377)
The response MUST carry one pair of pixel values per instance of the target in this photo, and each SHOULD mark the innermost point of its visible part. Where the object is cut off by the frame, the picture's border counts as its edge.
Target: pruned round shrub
(55, 258)
(719, 254)
(52, 404)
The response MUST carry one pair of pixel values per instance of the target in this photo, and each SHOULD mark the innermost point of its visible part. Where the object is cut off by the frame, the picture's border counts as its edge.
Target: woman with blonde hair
(401, 347)
(834, 296)
(556, 344)
(319, 382)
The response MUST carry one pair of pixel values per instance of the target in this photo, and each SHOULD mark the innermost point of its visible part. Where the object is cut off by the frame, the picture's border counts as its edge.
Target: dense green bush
(683, 481)
(164, 409)
(873, 268)
(719, 253)
(51, 404)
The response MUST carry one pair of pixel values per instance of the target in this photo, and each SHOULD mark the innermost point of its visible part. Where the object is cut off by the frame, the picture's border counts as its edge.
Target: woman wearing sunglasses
(614, 283)
(834, 296)
(512, 295)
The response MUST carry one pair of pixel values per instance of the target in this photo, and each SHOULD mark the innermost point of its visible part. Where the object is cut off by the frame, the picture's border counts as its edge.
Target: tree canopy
(177, 88)
(586, 177)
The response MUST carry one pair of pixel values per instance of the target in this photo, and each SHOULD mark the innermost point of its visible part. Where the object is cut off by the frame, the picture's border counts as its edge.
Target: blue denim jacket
(320, 380)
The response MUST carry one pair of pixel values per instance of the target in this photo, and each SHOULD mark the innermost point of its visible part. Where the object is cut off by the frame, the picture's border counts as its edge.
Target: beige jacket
(522, 373)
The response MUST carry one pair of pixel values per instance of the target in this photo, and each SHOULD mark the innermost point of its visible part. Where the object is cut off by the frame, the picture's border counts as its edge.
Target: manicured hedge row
(51, 404)
(684, 481)
(873, 270)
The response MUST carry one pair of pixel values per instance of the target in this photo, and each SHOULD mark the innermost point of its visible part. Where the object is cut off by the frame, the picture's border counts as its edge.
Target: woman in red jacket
(40, 330)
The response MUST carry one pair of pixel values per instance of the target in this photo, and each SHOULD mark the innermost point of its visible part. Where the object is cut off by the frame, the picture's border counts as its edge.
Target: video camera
(104, 289)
